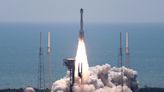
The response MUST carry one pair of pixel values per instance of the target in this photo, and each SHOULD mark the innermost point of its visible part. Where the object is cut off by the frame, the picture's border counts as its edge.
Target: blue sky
(94, 10)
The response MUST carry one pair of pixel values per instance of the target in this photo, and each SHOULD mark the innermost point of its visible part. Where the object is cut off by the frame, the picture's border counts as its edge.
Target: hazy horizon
(95, 11)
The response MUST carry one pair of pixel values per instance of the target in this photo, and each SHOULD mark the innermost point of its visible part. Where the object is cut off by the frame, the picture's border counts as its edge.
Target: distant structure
(49, 79)
(41, 72)
(70, 64)
(120, 63)
(127, 50)
(49, 42)
(120, 52)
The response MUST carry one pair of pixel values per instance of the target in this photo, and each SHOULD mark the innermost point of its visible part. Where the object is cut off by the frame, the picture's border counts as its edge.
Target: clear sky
(94, 10)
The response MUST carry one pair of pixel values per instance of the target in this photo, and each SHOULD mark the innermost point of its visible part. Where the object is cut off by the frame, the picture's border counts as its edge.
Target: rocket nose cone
(81, 10)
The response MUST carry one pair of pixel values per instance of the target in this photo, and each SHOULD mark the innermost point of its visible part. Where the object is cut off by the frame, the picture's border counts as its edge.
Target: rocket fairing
(81, 33)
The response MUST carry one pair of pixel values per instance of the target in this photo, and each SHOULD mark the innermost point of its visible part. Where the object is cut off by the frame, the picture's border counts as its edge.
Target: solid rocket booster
(80, 71)
(81, 34)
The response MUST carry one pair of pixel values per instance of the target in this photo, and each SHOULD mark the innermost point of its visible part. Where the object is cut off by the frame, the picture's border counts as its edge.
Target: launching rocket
(81, 33)
(81, 63)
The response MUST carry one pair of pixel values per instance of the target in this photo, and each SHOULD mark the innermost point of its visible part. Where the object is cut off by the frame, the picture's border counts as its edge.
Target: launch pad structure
(70, 64)
(41, 67)
(44, 68)
(120, 61)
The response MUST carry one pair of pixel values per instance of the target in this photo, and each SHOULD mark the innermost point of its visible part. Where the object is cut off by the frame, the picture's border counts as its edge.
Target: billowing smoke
(101, 79)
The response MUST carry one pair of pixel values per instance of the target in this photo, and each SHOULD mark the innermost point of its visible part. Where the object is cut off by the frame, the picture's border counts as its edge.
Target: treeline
(48, 90)
(21, 90)
(152, 90)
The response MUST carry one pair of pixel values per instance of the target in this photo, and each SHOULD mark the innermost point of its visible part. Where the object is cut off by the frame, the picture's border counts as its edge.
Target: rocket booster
(80, 67)
(80, 71)
(81, 34)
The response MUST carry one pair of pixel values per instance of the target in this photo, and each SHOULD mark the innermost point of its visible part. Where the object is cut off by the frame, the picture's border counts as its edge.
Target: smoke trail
(102, 79)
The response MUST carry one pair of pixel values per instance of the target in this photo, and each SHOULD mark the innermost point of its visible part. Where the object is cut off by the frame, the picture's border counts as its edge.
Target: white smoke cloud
(102, 79)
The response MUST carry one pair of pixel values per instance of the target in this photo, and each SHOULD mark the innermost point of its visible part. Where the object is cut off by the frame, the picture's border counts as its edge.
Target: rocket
(81, 33)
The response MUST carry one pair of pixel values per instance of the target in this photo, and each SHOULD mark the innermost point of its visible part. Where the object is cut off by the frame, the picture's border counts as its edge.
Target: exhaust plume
(81, 58)
(102, 79)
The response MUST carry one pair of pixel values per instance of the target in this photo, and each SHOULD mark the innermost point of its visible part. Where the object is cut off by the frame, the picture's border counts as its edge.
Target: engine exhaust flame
(81, 58)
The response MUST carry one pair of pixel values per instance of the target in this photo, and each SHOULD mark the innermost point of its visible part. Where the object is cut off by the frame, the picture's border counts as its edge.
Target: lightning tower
(41, 72)
(120, 63)
(120, 52)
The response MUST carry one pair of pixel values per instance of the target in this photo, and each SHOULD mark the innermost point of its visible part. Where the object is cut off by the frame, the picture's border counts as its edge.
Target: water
(19, 48)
